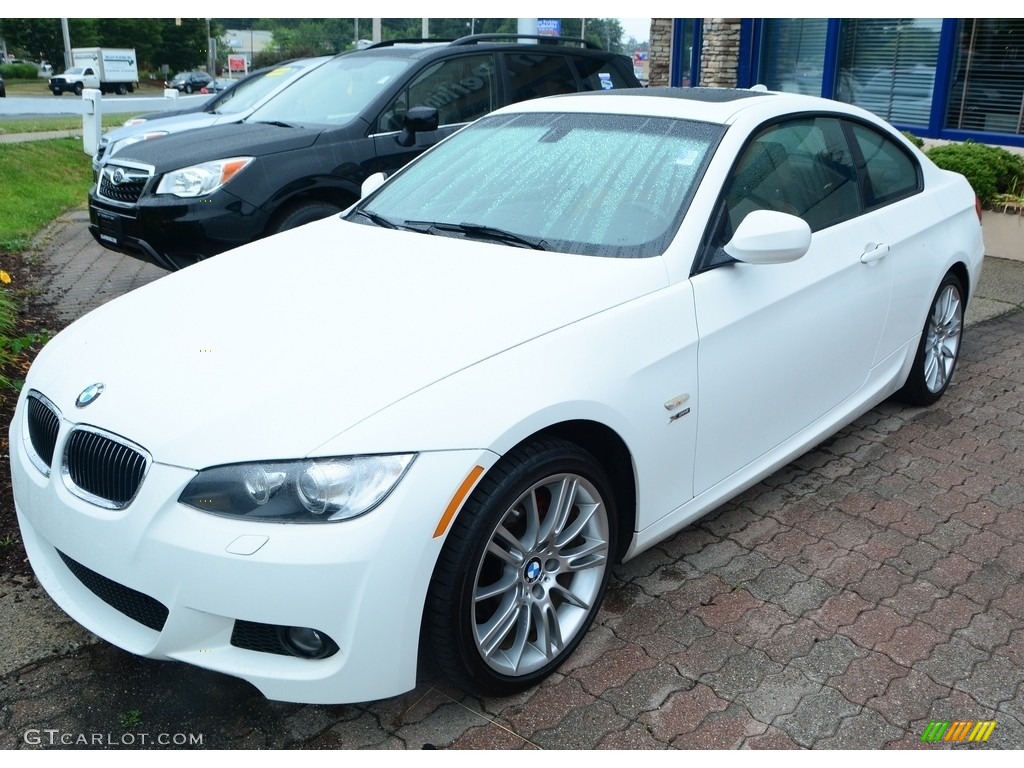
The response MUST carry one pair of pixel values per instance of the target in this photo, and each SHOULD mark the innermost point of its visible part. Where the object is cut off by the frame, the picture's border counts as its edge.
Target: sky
(638, 28)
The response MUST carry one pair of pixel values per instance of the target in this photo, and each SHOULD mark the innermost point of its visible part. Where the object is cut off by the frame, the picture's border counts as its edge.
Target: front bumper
(173, 232)
(362, 582)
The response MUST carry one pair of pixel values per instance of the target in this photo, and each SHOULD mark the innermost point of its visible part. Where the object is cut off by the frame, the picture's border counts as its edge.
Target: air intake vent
(134, 604)
(102, 468)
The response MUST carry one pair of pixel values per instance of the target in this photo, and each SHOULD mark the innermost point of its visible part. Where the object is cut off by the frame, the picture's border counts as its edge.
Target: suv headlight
(202, 179)
(303, 491)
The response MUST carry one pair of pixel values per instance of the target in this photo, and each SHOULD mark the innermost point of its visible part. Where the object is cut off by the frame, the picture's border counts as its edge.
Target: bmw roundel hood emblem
(89, 394)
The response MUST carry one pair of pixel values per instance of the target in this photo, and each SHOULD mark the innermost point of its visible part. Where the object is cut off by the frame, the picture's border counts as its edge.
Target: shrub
(992, 171)
(19, 71)
(915, 140)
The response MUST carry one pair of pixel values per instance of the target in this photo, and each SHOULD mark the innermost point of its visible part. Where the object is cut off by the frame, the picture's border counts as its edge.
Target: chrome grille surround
(42, 423)
(103, 468)
(123, 183)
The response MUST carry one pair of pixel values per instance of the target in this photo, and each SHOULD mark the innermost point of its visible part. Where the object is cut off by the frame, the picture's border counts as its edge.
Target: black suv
(187, 82)
(304, 154)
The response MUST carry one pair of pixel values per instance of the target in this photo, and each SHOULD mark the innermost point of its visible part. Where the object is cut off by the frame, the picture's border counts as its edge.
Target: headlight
(201, 179)
(304, 491)
(116, 146)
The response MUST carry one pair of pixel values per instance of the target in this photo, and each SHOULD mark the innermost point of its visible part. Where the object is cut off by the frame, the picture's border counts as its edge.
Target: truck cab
(75, 79)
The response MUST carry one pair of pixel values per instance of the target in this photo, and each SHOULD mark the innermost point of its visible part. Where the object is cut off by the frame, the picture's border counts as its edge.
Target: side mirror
(769, 237)
(417, 119)
(371, 184)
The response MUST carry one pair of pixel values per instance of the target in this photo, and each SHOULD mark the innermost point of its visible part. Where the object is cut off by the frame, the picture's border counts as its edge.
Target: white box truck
(111, 70)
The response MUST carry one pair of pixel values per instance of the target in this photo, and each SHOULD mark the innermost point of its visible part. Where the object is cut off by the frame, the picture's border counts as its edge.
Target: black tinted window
(462, 89)
(598, 74)
(533, 75)
(891, 172)
(802, 167)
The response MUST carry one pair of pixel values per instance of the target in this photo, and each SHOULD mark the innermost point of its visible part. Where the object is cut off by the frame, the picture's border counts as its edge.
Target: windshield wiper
(377, 219)
(479, 230)
(278, 123)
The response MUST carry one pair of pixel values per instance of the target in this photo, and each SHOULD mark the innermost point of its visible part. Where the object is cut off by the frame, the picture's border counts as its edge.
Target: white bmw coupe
(440, 417)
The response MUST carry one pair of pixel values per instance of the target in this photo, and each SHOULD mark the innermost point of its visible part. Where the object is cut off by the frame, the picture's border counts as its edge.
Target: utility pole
(67, 43)
(211, 62)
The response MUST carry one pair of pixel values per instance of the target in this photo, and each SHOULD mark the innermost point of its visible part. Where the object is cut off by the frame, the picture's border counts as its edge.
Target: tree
(144, 35)
(183, 47)
(42, 39)
(606, 33)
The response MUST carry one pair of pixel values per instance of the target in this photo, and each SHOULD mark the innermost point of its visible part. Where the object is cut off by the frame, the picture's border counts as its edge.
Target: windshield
(602, 185)
(74, 71)
(244, 95)
(334, 93)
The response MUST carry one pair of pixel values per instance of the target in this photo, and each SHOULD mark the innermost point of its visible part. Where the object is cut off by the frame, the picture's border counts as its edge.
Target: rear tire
(939, 349)
(122, 89)
(303, 213)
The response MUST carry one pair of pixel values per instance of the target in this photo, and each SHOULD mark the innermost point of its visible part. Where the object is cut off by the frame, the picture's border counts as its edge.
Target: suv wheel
(303, 213)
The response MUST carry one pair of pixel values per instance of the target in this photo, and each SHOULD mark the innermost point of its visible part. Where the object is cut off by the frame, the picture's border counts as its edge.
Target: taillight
(977, 206)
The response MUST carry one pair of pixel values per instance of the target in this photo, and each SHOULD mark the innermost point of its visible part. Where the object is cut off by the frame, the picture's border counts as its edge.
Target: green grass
(40, 180)
(40, 87)
(59, 123)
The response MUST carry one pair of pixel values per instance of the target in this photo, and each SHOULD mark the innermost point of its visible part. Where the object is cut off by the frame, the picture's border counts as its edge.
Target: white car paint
(340, 339)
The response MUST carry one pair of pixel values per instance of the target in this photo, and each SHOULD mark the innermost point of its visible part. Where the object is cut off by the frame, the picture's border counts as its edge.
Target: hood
(185, 122)
(217, 142)
(271, 350)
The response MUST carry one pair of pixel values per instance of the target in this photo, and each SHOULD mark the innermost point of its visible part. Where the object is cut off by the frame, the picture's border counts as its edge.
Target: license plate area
(111, 229)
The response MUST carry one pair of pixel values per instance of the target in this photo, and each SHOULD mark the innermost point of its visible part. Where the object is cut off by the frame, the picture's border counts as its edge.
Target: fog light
(308, 643)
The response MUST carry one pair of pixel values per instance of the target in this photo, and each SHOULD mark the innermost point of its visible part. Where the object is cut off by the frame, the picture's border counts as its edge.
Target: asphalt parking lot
(869, 589)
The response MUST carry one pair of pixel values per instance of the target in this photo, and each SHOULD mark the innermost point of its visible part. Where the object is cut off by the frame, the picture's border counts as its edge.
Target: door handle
(874, 253)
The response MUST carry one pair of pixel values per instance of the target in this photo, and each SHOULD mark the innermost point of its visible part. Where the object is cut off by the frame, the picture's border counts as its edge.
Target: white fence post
(92, 120)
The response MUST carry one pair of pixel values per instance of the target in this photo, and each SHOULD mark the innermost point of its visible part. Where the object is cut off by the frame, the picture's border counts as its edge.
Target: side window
(462, 89)
(803, 167)
(88, 72)
(597, 74)
(891, 172)
(533, 75)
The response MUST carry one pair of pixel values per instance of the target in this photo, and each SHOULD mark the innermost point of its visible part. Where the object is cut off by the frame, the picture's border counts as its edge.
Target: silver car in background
(233, 106)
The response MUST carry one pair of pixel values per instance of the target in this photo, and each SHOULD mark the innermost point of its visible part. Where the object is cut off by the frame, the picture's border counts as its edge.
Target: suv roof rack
(407, 41)
(512, 36)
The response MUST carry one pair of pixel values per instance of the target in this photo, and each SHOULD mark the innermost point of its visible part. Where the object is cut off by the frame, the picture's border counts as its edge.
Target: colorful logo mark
(958, 730)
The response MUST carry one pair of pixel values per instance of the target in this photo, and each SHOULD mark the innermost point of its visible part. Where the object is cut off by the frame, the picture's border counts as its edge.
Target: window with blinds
(793, 55)
(987, 83)
(888, 67)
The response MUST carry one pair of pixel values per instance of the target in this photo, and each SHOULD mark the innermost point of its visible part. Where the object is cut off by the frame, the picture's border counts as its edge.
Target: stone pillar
(660, 57)
(720, 54)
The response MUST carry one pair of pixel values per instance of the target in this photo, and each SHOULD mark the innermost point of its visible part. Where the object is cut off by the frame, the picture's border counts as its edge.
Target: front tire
(939, 349)
(303, 213)
(523, 570)
(78, 89)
